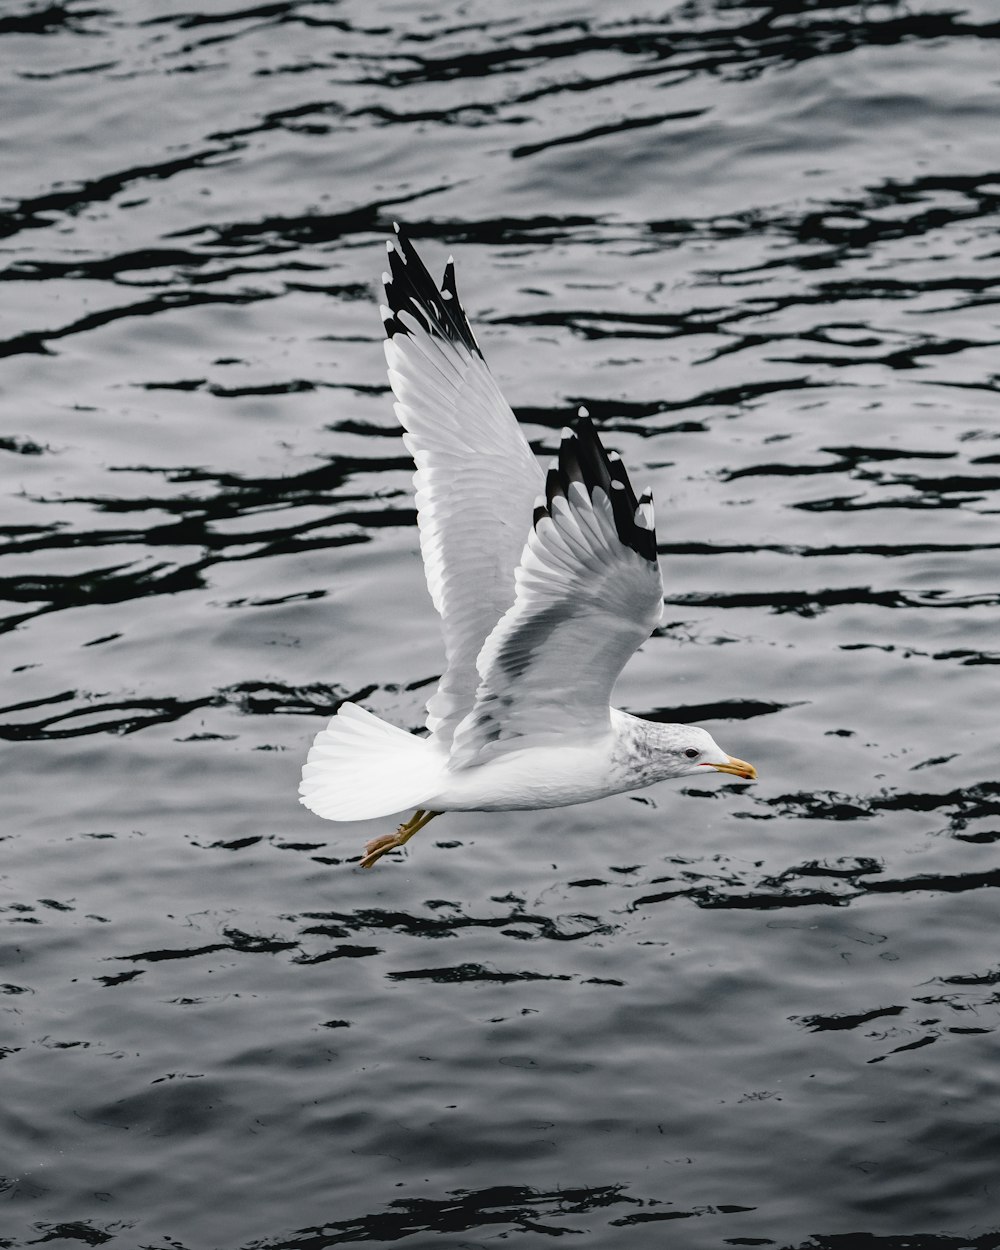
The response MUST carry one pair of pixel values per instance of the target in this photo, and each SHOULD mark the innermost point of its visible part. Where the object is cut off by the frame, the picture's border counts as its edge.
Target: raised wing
(588, 594)
(476, 479)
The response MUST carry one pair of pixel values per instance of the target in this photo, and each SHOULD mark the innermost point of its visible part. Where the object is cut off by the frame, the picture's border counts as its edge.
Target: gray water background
(760, 243)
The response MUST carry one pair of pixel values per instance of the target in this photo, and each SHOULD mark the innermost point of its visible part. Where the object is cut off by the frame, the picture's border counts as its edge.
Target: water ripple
(759, 244)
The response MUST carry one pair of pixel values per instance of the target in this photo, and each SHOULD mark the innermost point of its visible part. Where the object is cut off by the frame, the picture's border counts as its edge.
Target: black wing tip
(583, 458)
(554, 489)
(412, 290)
(448, 287)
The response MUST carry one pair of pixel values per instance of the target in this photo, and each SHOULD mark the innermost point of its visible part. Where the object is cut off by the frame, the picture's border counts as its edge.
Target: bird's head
(694, 750)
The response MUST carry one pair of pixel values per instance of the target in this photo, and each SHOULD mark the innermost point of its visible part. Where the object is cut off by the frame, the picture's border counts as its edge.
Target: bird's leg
(389, 841)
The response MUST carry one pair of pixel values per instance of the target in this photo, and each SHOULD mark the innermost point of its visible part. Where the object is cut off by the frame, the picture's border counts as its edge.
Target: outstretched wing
(476, 480)
(588, 594)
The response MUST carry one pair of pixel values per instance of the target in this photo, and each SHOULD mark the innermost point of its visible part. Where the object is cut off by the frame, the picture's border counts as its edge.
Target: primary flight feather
(546, 584)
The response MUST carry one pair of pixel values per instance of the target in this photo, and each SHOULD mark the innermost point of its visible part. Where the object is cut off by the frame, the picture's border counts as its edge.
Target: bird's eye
(692, 753)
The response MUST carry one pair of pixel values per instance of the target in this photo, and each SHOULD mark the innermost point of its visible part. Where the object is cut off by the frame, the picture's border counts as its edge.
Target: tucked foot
(389, 841)
(375, 849)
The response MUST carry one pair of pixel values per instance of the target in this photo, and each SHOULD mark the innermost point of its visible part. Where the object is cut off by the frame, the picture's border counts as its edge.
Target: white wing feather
(588, 594)
(476, 479)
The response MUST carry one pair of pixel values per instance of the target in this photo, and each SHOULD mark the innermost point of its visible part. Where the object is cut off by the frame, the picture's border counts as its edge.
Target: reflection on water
(759, 244)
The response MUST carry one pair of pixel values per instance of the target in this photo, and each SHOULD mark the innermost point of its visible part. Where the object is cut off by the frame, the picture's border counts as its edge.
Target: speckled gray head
(655, 751)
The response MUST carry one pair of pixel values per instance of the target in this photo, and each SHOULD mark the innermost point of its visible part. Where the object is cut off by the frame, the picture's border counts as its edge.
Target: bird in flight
(546, 584)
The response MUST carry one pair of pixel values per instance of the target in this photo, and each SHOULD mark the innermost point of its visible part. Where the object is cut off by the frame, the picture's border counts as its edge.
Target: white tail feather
(360, 767)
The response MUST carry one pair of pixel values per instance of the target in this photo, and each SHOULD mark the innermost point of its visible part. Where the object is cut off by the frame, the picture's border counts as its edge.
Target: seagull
(546, 583)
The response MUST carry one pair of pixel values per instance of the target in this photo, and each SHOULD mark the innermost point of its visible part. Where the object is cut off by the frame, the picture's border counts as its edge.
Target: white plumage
(546, 585)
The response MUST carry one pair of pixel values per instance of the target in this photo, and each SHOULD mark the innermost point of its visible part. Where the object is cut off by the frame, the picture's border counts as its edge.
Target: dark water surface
(761, 244)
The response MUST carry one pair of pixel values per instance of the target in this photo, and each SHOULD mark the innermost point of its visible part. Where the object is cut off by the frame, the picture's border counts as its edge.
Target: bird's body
(557, 773)
(545, 584)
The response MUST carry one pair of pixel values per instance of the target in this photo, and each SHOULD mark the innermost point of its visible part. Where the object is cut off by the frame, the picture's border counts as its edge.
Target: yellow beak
(739, 768)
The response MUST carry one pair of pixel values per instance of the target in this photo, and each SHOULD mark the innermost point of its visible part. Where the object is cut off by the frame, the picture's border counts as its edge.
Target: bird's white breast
(538, 776)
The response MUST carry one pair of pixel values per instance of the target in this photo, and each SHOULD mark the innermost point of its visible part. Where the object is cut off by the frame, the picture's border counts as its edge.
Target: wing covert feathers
(588, 594)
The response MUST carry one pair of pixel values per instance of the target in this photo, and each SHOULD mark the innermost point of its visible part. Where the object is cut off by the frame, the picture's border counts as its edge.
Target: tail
(360, 767)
